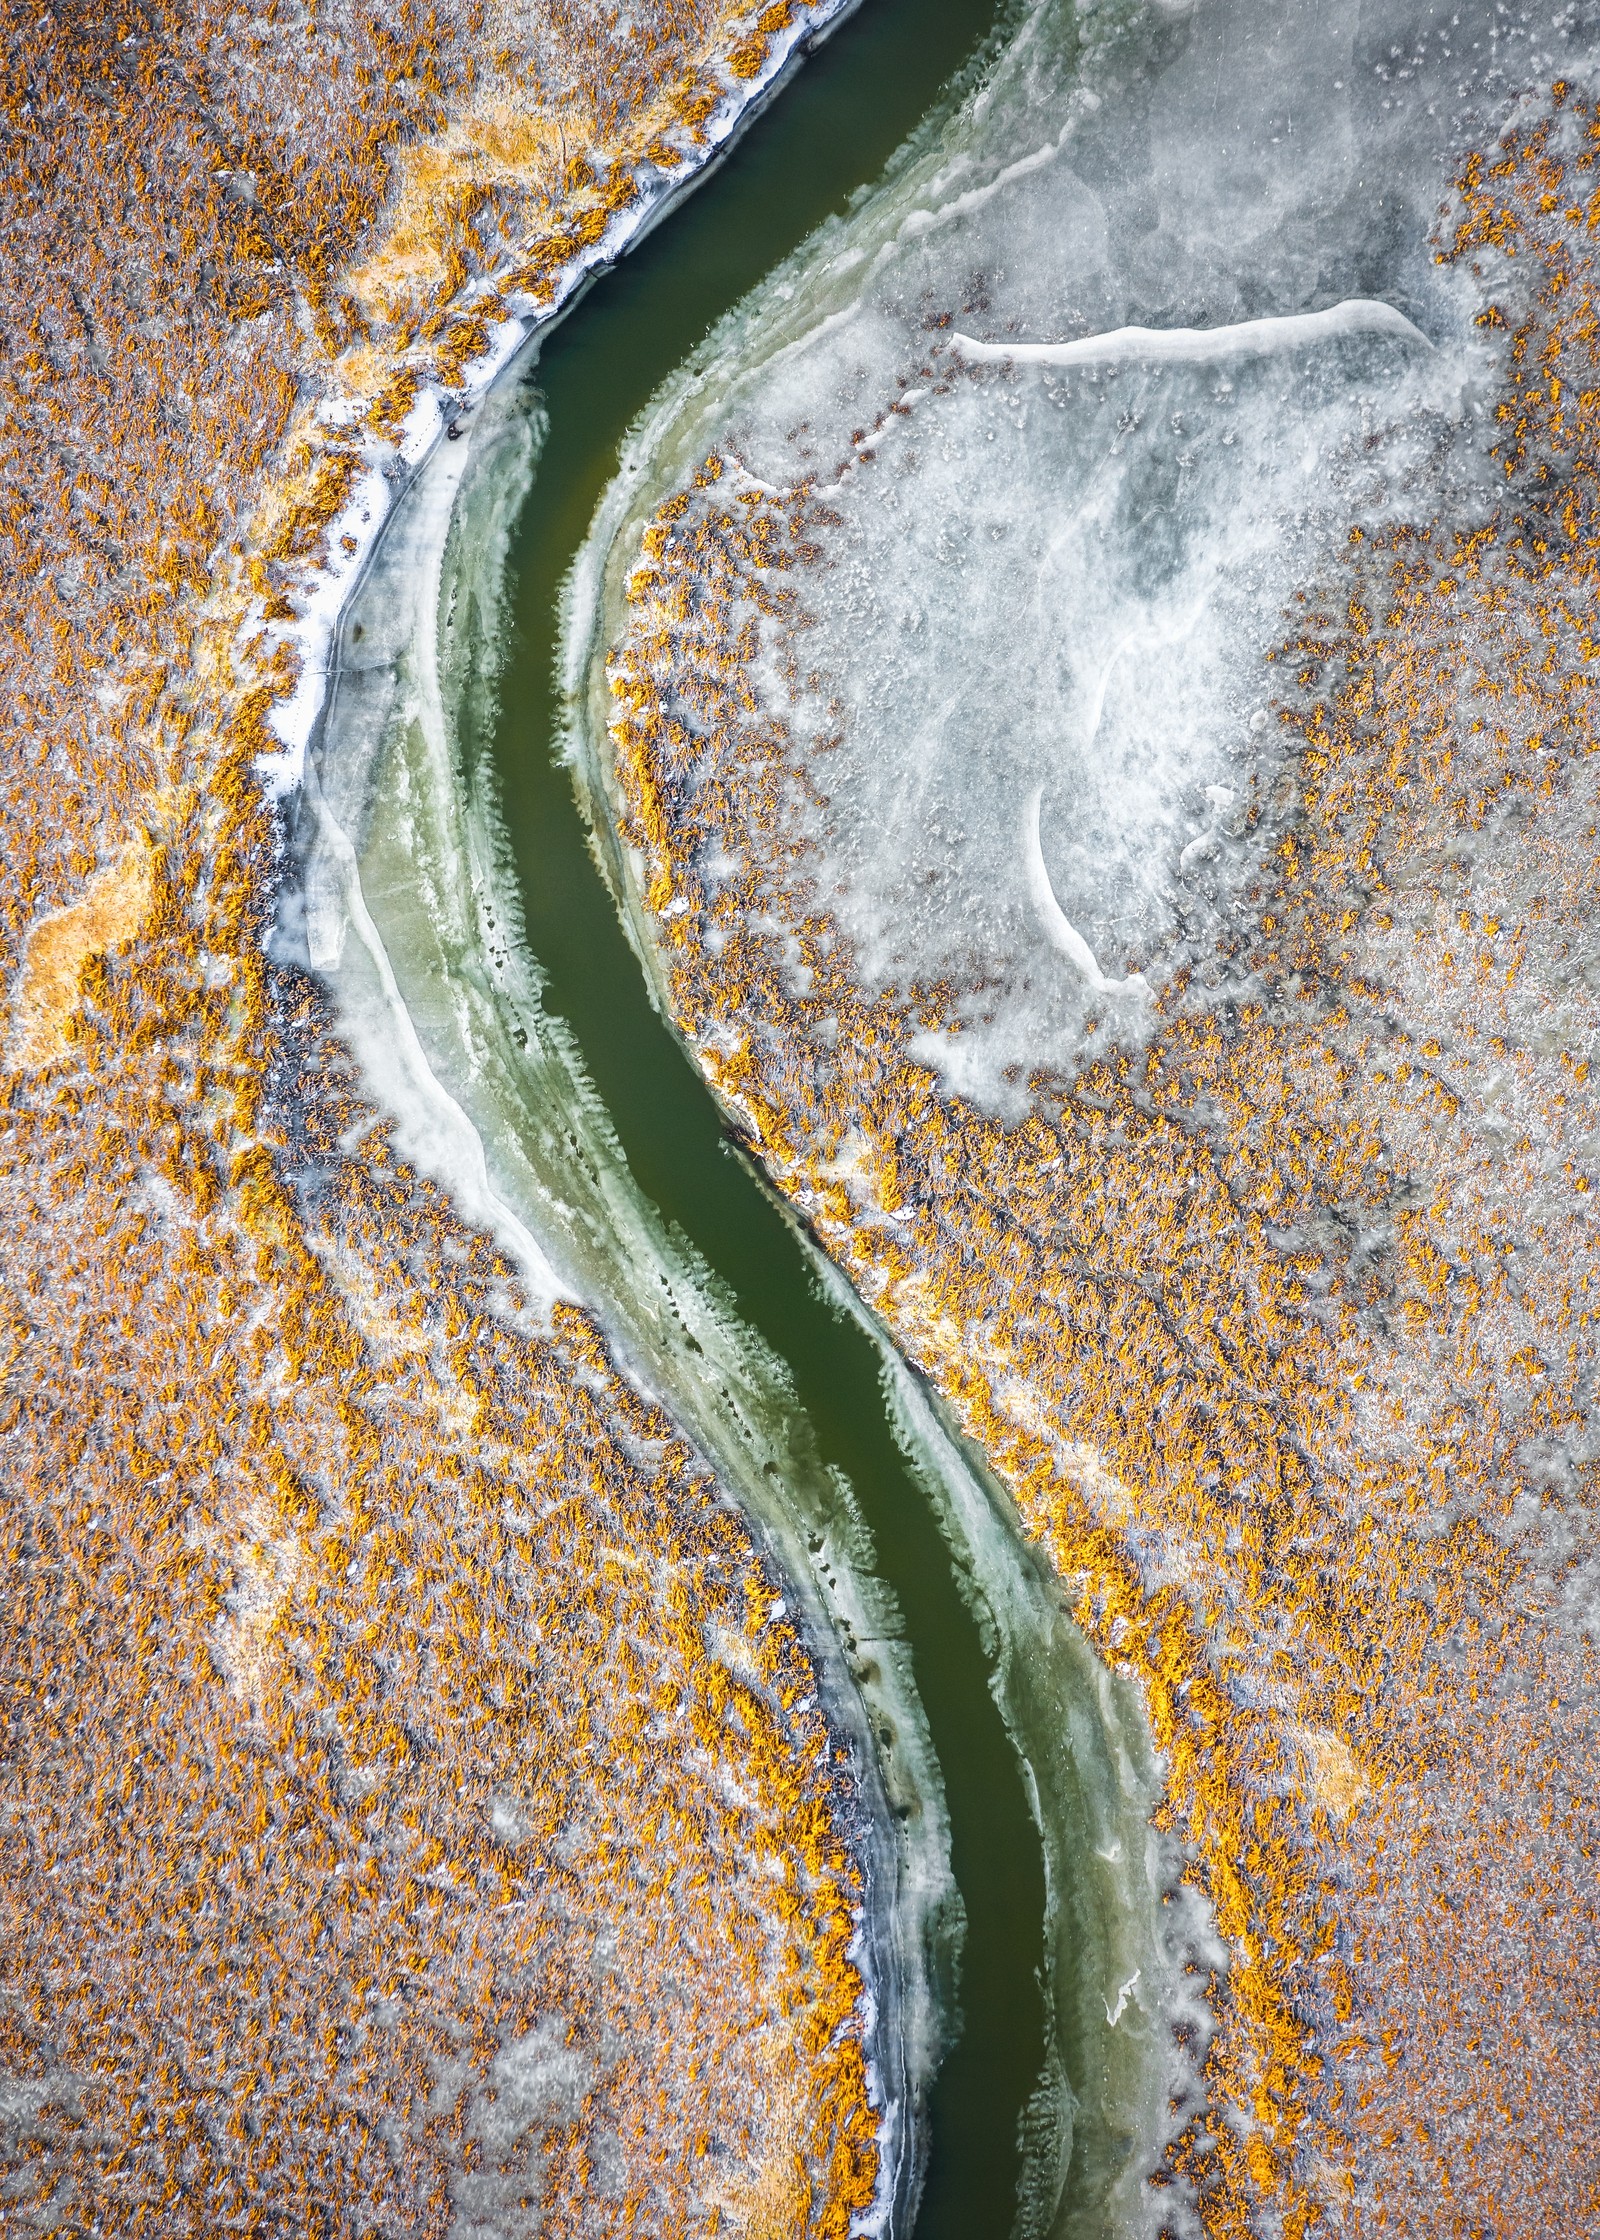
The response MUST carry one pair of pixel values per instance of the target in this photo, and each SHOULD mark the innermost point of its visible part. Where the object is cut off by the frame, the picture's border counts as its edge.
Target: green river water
(828, 132)
(487, 929)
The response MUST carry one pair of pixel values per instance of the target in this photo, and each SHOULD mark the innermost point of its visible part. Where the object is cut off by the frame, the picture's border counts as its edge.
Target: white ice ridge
(1060, 928)
(1202, 345)
(1124, 1994)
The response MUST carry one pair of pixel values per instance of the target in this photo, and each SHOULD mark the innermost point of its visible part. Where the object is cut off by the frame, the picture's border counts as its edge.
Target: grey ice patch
(510, 1819)
(23, 2098)
(537, 2080)
(536, 2084)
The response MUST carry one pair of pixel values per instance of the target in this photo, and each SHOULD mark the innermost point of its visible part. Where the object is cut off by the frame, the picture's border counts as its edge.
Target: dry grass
(110, 915)
(393, 1706)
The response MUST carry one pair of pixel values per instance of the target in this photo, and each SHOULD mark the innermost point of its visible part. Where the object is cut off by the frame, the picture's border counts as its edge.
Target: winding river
(493, 995)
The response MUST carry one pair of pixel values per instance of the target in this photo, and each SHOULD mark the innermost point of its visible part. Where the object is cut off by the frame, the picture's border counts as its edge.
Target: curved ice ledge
(1296, 330)
(402, 895)
(1057, 925)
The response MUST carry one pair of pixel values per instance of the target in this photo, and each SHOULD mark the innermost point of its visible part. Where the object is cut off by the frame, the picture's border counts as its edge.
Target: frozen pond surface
(1090, 387)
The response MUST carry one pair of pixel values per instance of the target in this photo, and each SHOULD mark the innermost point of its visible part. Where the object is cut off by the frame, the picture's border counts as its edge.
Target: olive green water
(829, 131)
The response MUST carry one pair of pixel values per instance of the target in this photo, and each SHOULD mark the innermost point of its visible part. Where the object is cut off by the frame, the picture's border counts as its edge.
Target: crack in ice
(1124, 1994)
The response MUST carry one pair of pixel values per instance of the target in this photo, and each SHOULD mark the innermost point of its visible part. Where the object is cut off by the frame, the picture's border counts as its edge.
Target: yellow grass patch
(519, 157)
(440, 185)
(773, 2200)
(110, 913)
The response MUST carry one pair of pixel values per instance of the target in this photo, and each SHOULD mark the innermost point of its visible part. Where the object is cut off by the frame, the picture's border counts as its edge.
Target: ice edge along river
(439, 1002)
(490, 1097)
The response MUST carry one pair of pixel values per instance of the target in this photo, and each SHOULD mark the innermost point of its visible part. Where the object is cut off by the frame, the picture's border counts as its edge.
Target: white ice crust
(1197, 345)
(1058, 927)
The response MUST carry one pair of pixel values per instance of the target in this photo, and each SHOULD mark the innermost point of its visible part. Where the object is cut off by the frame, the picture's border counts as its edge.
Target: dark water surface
(829, 132)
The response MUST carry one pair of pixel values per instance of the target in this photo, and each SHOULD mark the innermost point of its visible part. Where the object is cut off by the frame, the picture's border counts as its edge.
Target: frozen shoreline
(1128, 1941)
(392, 466)
(406, 906)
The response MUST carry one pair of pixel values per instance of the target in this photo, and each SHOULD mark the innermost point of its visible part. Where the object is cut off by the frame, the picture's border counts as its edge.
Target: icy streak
(1057, 925)
(1296, 330)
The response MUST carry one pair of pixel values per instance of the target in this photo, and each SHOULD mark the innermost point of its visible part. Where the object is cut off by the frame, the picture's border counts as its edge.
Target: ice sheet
(1037, 641)
(1091, 386)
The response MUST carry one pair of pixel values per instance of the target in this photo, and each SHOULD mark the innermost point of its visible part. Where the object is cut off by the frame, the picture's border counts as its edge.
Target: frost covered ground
(417, 1813)
(1092, 668)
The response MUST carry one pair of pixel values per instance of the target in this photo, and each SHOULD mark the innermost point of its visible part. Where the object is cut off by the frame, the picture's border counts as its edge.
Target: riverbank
(506, 308)
(407, 916)
(425, 797)
(439, 1002)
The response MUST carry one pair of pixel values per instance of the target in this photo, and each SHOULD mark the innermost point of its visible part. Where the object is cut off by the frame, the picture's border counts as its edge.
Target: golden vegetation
(112, 913)
(538, 173)
(413, 1808)
(1281, 1330)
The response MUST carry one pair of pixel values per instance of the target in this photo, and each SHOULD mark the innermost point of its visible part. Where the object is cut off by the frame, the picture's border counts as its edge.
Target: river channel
(1024, 1772)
